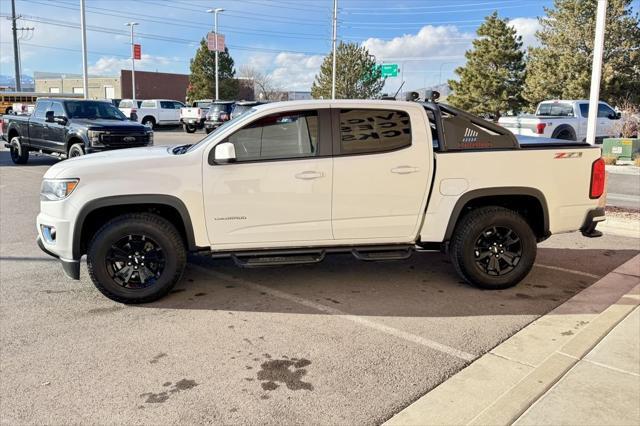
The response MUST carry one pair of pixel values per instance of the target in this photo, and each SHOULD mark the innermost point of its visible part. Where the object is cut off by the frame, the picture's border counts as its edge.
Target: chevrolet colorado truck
(71, 128)
(293, 182)
(563, 119)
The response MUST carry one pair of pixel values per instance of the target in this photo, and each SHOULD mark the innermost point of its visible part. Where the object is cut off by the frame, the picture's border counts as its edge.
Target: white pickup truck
(193, 116)
(562, 119)
(293, 182)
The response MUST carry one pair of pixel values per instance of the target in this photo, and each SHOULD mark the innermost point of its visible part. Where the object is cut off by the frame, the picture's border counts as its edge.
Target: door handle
(404, 170)
(309, 175)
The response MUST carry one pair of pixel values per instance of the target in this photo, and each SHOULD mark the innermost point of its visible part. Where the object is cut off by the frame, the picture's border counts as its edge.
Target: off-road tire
(76, 150)
(190, 128)
(19, 155)
(470, 229)
(152, 226)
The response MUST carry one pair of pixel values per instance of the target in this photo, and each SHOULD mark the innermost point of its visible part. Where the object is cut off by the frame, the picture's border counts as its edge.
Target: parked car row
(70, 128)
(210, 114)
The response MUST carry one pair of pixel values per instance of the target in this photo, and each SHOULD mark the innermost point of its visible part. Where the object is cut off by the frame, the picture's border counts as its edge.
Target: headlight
(57, 189)
(94, 137)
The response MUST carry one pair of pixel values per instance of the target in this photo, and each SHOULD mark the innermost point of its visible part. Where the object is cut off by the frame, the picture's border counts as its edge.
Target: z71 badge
(559, 155)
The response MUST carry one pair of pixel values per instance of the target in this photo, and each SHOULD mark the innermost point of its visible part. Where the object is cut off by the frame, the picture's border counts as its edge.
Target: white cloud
(109, 65)
(288, 71)
(430, 41)
(526, 27)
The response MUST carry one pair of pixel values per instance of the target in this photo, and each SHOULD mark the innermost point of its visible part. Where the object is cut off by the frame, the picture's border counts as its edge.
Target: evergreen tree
(202, 81)
(491, 80)
(561, 67)
(357, 76)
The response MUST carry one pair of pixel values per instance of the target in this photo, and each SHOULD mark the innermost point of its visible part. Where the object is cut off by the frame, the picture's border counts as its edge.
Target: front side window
(605, 112)
(41, 108)
(57, 109)
(278, 136)
(364, 131)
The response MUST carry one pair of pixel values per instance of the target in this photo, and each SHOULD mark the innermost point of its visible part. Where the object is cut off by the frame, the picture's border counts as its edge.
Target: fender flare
(493, 192)
(76, 135)
(121, 200)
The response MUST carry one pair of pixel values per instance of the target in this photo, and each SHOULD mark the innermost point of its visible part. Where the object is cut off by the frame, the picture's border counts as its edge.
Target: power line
(414, 8)
(415, 12)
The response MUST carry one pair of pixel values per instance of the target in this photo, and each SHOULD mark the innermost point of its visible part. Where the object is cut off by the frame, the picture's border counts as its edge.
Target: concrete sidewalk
(579, 364)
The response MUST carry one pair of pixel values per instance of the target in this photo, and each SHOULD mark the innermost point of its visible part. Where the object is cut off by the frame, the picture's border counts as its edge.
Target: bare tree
(263, 83)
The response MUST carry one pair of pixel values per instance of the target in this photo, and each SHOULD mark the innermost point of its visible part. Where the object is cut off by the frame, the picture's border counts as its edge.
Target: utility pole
(215, 31)
(596, 71)
(85, 75)
(335, 25)
(16, 59)
(133, 65)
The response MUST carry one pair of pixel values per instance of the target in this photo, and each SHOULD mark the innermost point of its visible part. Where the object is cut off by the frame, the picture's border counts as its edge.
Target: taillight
(540, 128)
(598, 177)
(198, 113)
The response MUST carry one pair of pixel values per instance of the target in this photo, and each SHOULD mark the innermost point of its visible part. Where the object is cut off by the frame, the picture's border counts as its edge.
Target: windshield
(223, 127)
(94, 110)
(240, 109)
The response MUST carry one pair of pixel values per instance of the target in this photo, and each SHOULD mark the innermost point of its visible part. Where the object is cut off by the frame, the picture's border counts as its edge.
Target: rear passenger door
(381, 172)
(37, 123)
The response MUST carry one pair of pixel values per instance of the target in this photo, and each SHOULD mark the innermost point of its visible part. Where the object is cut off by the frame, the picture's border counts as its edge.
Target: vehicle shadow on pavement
(34, 159)
(426, 285)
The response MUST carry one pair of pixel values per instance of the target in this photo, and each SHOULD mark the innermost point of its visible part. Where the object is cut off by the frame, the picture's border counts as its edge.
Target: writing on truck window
(373, 130)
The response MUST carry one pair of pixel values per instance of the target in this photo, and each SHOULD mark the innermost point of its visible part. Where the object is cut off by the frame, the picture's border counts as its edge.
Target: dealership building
(149, 85)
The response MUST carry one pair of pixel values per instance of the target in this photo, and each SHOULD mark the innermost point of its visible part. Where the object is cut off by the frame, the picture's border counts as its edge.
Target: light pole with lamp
(215, 31)
(133, 65)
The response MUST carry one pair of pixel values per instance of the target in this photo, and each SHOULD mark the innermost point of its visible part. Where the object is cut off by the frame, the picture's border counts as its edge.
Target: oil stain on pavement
(286, 371)
(179, 386)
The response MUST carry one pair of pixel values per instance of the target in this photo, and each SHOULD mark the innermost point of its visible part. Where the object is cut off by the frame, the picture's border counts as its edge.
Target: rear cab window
(555, 109)
(370, 131)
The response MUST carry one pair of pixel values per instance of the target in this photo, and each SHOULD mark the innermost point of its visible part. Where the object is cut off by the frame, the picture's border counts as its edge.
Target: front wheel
(19, 155)
(76, 150)
(136, 258)
(493, 248)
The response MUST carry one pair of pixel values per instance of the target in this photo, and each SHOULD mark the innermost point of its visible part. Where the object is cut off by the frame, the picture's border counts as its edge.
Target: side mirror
(224, 153)
(61, 120)
(48, 117)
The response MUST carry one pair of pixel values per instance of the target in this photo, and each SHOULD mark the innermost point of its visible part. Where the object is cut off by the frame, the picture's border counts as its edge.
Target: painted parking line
(333, 311)
(570, 271)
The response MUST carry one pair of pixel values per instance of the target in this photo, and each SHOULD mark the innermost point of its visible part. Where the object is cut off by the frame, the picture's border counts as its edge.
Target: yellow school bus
(7, 99)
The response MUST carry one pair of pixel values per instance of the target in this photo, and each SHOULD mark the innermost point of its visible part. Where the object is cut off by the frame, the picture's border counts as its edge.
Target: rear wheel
(189, 128)
(493, 248)
(76, 150)
(565, 133)
(149, 121)
(136, 258)
(19, 155)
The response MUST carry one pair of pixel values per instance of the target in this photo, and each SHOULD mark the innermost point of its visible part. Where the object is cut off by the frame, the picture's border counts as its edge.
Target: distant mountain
(9, 80)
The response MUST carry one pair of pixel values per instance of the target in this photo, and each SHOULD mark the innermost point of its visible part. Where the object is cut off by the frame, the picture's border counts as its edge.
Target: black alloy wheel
(497, 250)
(135, 261)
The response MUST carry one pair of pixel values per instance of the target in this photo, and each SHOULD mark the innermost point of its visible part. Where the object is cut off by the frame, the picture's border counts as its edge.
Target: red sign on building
(137, 51)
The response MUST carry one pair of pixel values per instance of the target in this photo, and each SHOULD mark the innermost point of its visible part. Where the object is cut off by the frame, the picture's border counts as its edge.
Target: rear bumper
(209, 124)
(594, 216)
(71, 268)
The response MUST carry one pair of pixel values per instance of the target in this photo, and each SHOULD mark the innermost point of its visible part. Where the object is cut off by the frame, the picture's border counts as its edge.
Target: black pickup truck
(70, 128)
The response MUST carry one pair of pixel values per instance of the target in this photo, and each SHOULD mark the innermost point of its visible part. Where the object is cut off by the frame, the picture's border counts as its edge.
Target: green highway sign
(389, 70)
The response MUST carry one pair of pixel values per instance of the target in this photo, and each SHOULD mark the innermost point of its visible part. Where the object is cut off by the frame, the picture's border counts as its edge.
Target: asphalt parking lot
(340, 342)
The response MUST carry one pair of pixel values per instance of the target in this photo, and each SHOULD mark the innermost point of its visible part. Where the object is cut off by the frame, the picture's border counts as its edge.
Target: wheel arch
(97, 212)
(529, 202)
(74, 138)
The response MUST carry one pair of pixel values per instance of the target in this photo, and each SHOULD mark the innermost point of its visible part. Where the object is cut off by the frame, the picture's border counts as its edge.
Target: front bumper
(71, 268)
(594, 216)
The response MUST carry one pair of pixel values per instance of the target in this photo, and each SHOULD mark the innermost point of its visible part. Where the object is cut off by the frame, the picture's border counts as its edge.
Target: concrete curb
(622, 227)
(623, 170)
(501, 385)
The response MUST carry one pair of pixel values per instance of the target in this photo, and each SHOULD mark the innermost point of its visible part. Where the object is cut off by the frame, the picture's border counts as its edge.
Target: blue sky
(284, 38)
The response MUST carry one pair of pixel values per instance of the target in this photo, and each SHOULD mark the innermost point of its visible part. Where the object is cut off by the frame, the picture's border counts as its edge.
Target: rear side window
(148, 104)
(365, 131)
(278, 136)
(125, 104)
(555, 110)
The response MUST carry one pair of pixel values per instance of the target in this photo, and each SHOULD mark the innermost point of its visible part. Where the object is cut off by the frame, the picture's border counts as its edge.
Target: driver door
(278, 190)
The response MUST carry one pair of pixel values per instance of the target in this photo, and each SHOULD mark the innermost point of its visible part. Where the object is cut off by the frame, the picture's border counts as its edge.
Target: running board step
(274, 259)
(399, 253)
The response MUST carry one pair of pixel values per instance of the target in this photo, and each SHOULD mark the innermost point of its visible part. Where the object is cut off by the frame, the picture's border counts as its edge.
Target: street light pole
(85, 75)
(133, 65)
(215, 31)
(335, 24)
(596, 71)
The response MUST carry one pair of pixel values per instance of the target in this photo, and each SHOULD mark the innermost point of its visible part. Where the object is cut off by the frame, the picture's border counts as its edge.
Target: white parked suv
(562, 119)
(293, 182)
(156, 112)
